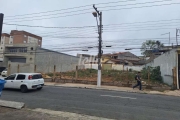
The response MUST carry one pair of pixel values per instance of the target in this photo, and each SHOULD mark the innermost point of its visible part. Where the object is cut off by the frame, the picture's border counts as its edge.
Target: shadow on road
(19, 91)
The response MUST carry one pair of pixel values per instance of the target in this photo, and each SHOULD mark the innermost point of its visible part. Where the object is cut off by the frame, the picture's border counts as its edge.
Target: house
(126, 58)
(168, 62)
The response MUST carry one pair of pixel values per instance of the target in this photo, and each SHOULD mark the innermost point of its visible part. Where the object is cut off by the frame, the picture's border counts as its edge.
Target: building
(31, 57)
(168, 62)
(5, 39)
(25, 49)
(18, 38)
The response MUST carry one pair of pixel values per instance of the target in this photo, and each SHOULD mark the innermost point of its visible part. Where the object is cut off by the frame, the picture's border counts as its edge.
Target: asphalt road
(100, 103)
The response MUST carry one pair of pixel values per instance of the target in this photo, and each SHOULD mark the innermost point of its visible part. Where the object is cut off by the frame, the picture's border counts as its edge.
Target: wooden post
(35, 68)
(76, 72)
(54, 73)
(148, 74)
(175, 78)
(127, 73)
(18, 68)
(9, 69)
(174, 83)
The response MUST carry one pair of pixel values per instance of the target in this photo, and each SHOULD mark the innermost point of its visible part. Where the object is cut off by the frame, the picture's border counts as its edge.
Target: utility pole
(1, 23)
(100, 46)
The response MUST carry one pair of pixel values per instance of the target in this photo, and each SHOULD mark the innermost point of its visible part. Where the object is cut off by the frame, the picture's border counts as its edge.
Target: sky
(126, 23)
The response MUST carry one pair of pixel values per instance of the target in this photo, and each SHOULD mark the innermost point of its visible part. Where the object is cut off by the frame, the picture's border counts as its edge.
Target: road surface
(100, 103)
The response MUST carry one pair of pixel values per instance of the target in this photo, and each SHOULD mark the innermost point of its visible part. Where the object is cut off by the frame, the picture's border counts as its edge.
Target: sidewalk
(42, 114)
(124, 89)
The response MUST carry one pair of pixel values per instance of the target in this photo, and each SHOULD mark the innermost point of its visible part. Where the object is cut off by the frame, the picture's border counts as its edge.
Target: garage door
(20, 60)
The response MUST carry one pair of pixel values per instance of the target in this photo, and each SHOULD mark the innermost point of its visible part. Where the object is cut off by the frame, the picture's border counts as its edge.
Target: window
(24, 41)
(22, 49)
(31, 48)
(25, 36)
(11, 77)
(12, 50)
(39, 40)
(20, 77)
(38, 76)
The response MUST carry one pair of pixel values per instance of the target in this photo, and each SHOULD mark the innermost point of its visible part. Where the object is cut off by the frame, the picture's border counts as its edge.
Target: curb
(140, 92)
(11, 104)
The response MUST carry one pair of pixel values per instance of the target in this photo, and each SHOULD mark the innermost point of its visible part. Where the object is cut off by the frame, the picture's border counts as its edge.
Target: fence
(136, 68)
(113, 67)
(14, 67)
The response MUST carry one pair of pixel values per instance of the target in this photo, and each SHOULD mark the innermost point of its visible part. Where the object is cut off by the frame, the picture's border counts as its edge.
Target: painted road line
(118, 97)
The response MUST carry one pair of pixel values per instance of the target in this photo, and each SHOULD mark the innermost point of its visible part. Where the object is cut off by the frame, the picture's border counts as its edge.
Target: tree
(150, 45)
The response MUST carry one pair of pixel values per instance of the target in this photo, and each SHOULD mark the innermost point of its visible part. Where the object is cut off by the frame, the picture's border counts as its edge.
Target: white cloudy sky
(133, 22)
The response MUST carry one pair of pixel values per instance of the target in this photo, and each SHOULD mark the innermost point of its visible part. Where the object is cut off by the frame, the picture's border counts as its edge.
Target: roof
(16, 32)
(57, 52)
(113, 54)
(5, 34)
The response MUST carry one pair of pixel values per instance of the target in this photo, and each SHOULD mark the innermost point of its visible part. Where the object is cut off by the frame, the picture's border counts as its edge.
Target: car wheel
(39, 88)
(24, 89)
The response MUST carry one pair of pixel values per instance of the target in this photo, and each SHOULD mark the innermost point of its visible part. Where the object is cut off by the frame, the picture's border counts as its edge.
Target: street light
(99, 15)
(94, 14)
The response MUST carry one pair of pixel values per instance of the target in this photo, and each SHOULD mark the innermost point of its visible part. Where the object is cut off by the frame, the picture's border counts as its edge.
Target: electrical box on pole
(1, 23)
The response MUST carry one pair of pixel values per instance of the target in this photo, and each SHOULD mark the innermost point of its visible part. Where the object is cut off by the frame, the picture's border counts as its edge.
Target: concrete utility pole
(1, 23)
(100, 44)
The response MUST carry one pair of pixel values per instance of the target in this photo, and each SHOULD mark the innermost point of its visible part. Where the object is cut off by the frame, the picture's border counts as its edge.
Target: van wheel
(24, 89)
(39, 88)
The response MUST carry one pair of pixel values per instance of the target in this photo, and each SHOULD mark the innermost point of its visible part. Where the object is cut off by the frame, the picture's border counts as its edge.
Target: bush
(155, 74)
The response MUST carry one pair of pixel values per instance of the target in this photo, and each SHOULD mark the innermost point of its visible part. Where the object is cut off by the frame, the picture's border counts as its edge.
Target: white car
(4, 73)
(25, 81)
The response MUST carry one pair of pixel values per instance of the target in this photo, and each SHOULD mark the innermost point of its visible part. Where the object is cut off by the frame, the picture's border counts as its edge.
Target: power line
(142, 6)
(142, 22)
(135, 4)
(126, 28)
(137, 25)
(49, 27)
(68, 37)
(87, 9)
(52, 17)
(70, 8)
(94, 26)
(101, 10)
(139, 30)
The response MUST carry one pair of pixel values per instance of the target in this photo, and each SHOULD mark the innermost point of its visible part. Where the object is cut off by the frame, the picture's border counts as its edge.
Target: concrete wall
(167, 62)
(23, 68)
(91, 66)
(117, 67)
(45, 61)
(136, 68)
